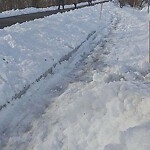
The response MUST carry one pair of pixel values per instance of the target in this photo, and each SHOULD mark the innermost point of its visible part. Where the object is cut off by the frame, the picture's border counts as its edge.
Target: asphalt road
(8, 21)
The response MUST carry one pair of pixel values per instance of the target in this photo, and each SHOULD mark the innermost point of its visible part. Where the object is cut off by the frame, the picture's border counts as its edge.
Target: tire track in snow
(82, 65)
(97, 57)
(50, 71)
(46, 73)
(70, 60)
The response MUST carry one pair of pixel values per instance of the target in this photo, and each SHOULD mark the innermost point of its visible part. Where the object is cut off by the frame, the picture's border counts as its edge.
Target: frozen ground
(96, 92)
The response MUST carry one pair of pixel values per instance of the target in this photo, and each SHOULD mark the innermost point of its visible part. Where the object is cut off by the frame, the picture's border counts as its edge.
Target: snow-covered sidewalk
(98, 98)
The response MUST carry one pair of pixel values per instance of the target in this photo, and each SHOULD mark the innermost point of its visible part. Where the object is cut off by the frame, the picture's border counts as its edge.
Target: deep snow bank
(29, 49)
(100, 116)
(112, 112)
(109, 113)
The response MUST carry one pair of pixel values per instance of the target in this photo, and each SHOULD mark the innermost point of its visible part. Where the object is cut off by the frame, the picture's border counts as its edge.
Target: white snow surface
(97, 95)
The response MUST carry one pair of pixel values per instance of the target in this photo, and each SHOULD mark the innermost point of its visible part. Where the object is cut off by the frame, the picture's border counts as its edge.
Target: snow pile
(100, 116)
(16, 12)
(30, 49)
(112, 112)
(101, 95)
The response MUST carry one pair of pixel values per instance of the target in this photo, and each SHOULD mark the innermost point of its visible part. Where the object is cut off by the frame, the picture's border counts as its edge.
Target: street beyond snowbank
(30, 14)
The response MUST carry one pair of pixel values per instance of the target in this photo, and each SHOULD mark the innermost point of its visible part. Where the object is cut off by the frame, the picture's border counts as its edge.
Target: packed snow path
(98, 99)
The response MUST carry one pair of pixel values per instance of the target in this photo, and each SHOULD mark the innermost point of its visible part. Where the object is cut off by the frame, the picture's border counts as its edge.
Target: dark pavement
(8, 21)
